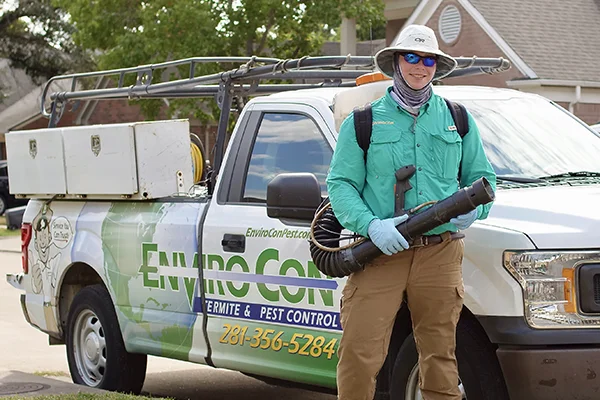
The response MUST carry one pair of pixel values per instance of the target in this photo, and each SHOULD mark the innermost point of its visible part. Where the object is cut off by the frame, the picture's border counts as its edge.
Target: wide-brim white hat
(417, 38)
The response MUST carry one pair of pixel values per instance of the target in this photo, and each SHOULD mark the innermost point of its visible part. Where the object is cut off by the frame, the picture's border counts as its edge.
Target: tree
(131, 32)
(371, 29)
(126, 33)
(35, 36)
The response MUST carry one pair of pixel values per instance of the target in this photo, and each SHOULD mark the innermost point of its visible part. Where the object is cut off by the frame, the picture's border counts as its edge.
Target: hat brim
(384, 59)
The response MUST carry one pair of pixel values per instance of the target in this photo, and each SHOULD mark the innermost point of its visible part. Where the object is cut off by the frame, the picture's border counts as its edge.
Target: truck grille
(597, 288)
(589, 288)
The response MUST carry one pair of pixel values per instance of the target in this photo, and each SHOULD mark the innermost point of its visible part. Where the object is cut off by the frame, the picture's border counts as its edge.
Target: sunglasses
(412, 58)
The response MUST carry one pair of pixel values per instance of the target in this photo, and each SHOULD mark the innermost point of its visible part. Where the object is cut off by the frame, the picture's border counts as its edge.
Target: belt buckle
(421, 241)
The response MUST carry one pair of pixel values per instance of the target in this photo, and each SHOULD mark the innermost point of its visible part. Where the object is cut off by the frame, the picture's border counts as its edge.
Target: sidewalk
(10, 244)
(29, 385)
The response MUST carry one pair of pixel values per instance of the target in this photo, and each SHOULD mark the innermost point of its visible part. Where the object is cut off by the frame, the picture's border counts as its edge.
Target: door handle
(234, 243)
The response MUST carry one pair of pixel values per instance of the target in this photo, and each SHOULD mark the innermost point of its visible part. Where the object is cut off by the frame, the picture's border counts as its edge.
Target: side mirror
(293, 195)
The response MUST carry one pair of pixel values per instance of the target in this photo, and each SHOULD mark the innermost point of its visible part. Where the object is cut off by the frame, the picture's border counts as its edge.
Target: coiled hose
(338, 262)
(198, 158)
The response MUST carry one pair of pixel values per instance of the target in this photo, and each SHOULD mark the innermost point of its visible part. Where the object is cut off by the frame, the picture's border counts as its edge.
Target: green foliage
(36, 37)
(371, 30)
(125, 33)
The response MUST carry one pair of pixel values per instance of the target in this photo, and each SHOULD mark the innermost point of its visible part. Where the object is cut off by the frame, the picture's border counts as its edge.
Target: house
(553, 45)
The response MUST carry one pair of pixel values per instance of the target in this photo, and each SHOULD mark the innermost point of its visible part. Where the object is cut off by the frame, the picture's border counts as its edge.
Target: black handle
(234, 243)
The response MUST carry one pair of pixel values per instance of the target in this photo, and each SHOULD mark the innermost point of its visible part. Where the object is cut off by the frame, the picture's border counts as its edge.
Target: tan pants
(431, 276)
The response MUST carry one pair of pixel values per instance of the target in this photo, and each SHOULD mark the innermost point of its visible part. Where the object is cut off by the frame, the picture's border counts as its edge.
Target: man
(411, 126)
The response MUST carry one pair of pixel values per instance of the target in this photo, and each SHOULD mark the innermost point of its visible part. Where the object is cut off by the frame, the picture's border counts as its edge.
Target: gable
(557, 39)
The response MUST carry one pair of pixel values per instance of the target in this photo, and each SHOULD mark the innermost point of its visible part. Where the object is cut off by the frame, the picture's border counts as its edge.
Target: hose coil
(338, 262)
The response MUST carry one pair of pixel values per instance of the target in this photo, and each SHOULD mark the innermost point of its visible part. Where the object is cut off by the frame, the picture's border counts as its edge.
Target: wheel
(2, 205)
(480, 375)
(95, 349)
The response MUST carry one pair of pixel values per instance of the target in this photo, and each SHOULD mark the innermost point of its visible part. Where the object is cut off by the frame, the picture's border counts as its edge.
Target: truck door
(273, 313)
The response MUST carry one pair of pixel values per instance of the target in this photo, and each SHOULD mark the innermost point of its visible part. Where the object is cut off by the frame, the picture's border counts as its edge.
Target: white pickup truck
(126, 254)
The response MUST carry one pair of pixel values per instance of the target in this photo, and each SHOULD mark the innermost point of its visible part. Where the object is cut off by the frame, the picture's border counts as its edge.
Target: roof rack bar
(225, 106)
(472, 71)
(497, 63)
(303, 68)
(211, 90)
(122, 72)
(142, 90)
(249, 71)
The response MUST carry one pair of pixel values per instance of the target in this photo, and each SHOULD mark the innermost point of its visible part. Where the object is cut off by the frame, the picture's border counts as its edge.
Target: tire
(95, 349)
(480, 374)
(3, 205)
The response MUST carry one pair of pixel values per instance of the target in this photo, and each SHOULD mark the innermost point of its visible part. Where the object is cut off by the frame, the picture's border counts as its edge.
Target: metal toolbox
(141, 160)
(36, 162)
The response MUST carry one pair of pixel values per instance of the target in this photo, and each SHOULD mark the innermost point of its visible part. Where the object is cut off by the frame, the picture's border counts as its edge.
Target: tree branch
(6, 20)
(263, 39)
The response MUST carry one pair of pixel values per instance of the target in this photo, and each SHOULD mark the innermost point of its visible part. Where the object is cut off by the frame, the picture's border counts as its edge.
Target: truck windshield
(532, 137)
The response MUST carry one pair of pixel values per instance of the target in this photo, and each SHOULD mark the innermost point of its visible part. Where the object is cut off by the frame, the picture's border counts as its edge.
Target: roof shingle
(557, 39)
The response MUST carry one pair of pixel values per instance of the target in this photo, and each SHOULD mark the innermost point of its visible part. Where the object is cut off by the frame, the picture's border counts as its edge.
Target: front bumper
(551, 373)
(546, 364)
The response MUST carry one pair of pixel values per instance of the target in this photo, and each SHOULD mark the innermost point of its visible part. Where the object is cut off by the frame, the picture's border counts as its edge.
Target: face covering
(407, 97)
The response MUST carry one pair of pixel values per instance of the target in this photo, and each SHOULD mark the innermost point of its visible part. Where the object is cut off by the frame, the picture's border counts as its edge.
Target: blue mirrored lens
(412, 58)
(428, 61)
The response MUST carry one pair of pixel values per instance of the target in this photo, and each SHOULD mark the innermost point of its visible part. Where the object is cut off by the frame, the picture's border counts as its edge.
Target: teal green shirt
(360, 192)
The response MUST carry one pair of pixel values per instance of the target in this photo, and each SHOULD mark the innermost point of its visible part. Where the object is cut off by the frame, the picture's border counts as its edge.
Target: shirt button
(421, 193)
(420, 169)
(418, 145)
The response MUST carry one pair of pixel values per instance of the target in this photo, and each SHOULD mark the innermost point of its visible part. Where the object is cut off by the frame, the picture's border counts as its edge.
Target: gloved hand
(385, 236)
(464, 221)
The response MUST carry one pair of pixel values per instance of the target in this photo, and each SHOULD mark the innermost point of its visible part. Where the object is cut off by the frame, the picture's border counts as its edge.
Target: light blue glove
(464, 221)
(385, 236)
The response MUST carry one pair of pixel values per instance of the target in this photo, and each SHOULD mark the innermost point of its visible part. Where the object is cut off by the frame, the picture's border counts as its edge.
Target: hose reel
(200, 164)
(337, 262)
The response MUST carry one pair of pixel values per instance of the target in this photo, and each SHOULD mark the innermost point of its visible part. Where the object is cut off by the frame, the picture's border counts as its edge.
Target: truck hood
(558, 217)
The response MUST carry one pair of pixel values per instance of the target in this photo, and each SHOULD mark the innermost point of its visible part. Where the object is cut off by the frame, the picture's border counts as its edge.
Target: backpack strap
(461, 120)
(460, 117)
(363, 125)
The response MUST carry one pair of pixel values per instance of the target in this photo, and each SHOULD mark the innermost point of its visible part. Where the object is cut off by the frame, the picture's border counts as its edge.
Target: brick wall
(472, 41)
(589, 113)
(392, 28)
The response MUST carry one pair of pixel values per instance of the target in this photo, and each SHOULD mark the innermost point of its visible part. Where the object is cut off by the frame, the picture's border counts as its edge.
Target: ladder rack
(252, 70)
(153, 81)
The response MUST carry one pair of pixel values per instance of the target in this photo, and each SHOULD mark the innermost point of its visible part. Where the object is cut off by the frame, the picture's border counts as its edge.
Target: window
(532, 137)
(286, 143)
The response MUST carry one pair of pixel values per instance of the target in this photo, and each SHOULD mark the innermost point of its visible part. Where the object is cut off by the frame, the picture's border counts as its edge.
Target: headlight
(549, 286)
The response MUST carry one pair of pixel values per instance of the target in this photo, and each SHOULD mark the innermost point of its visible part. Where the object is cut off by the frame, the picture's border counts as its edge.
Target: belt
(426, 240)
